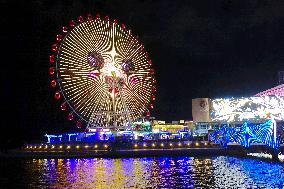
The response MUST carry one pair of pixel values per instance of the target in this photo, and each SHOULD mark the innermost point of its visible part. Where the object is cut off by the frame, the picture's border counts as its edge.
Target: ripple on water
(162, 172)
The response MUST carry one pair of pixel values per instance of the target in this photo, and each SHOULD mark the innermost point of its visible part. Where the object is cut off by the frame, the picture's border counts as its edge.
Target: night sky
(199, 49)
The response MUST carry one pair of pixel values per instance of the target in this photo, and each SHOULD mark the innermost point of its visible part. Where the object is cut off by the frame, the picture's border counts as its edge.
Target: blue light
(247, 134)
(83, 137)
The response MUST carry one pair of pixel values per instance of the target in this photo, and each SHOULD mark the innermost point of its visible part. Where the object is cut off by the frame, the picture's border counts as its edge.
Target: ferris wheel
(101, 73)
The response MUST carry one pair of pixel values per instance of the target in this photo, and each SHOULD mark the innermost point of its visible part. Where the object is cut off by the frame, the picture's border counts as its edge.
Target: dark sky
(199, 49)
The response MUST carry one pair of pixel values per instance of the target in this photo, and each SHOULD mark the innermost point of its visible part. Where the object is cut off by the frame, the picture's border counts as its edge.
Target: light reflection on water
(162, 172)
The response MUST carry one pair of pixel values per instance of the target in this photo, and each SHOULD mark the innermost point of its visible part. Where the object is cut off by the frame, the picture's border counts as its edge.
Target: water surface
(162, 172)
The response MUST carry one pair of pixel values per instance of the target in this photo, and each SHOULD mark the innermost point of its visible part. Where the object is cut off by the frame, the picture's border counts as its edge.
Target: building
(175, 129)
(244, 121)
(210, 114)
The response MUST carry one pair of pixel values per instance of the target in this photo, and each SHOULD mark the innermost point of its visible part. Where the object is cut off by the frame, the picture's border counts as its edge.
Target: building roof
(275, 91)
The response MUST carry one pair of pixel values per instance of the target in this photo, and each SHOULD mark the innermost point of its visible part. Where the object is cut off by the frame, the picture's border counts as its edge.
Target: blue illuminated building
(248, 134)
(80, 137)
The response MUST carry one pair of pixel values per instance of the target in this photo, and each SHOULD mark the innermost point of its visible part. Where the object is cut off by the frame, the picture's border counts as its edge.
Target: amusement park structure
(104, 77)
(102, 74)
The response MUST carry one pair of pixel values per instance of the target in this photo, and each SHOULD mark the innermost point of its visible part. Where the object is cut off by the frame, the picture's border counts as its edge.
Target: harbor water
(152, 172)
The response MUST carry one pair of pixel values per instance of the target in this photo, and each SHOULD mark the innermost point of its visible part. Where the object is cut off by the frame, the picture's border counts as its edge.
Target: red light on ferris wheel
(98, 16)
(147, 54)
(64, 29)
(79, 124)
(151, 106)
(54, 47)
(58, 38)
(72, 23)
(80, 19)
(57, 95)
(70, 117)
(147, 113)
(51, 71)
(122, 26)
(53, 83)
(51, 58)
(63, 106)
(89, 17)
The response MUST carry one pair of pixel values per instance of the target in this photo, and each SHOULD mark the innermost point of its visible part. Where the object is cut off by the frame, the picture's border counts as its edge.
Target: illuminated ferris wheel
(102, 74)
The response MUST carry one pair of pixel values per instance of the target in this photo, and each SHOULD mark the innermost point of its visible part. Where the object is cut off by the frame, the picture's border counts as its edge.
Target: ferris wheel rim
(58, 78)
(67, 101)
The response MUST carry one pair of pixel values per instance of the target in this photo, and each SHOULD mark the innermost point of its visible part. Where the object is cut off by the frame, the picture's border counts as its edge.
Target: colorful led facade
(256, 109)
(248, 134)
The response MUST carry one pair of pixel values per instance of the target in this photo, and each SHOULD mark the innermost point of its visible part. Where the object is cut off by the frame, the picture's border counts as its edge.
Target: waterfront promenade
(142, 149)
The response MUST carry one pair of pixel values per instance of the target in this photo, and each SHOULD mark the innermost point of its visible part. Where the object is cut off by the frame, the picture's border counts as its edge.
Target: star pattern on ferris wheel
(102, 73)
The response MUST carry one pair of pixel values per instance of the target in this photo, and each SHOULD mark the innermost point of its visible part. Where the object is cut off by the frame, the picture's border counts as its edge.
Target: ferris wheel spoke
(92, 96)
(86, 89)
(103, 73)
(136, 98)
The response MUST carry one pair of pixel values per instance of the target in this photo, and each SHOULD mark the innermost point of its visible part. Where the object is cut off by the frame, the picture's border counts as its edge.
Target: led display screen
(250, 109)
